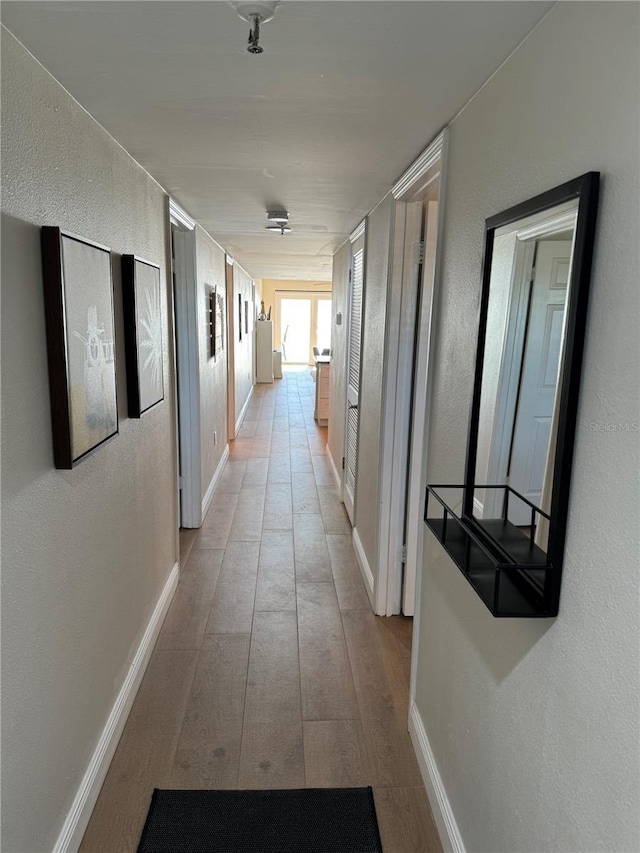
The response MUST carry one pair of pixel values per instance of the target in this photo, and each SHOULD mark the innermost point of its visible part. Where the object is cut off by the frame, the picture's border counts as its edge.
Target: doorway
(295, 320)
(411, 317)
(231, 339)
(302, 322)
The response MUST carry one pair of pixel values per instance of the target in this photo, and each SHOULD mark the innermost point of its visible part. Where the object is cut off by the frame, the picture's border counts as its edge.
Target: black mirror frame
(586, 189)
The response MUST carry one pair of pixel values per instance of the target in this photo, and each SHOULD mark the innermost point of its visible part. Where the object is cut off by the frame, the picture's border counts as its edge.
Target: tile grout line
(246, 680)
(174, 750)
(295, 583)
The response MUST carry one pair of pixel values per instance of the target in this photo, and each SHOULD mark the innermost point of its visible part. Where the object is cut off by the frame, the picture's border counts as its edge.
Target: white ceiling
(345, 96)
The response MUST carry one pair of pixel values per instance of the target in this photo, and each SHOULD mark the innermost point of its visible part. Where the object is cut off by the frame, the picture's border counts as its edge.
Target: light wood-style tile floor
(271, 671)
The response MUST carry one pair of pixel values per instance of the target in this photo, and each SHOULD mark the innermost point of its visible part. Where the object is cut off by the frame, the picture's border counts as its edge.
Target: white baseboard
(78, 817)
(206, 501)
(365, 568)
(244, 410)
(335, 472)
(440, 806)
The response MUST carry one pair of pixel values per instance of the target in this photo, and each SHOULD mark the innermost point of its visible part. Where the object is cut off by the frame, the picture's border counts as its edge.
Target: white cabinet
(277, 364)
(264, 351)
(321, 414)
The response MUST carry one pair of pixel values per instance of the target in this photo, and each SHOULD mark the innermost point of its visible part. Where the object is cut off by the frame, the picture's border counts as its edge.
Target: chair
(316, 352)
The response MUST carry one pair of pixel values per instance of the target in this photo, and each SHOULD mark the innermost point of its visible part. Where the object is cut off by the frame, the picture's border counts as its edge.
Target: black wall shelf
(509, 572)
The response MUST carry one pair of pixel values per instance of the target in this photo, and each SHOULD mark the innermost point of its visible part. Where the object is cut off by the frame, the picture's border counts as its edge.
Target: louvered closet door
(353, 377)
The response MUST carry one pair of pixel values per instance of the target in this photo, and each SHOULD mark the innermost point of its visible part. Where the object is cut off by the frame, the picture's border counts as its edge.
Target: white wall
(210, 271)
(243, 349)
(534, 724)
(85, 553)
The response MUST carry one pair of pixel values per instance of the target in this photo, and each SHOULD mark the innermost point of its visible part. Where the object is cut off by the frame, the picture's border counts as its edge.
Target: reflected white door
(353, 375)
(539, 376)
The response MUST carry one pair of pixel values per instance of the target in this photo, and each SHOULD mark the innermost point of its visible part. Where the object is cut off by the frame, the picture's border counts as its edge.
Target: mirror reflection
(524, 347)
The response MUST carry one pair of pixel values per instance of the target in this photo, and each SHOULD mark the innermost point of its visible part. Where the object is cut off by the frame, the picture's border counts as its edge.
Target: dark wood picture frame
(142, 308)
(80, 328)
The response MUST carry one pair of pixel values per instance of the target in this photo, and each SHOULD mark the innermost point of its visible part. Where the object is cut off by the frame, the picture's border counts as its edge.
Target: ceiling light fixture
(280, 219)
(282, 229)
(255, 12)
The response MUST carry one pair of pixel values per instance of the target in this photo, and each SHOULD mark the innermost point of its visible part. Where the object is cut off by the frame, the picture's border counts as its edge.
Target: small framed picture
(78, 299)
(216, 322)
(211, 314)
(240, 317)
(141, 302)
(217, 310)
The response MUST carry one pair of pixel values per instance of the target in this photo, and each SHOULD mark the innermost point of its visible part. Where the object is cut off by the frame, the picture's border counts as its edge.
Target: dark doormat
(311, 820)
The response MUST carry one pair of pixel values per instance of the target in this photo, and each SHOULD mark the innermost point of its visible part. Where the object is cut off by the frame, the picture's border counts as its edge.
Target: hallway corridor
(271, 670)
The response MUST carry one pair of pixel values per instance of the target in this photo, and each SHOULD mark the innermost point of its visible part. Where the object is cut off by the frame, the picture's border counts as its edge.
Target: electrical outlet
(215, 437)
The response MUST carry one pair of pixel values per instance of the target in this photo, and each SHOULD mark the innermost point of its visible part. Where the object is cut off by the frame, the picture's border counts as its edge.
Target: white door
(400, 352)
(230, 347)
(417, 457)
(539, 376)
(188, 379)
(353, 375)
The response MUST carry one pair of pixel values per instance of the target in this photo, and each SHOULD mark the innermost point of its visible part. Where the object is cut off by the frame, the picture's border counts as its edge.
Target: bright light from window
(323, 331)
(295, 325)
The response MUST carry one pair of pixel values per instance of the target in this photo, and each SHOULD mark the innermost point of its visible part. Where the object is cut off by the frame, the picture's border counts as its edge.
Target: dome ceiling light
(255, 12)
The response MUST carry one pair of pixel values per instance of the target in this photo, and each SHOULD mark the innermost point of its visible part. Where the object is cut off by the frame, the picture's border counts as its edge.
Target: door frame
(417, 451)
(400, 349)
(185, 293)
(394, 456)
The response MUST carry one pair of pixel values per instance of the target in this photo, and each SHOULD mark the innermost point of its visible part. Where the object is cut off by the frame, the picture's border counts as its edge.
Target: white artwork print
(90, 341)
(219, 309)
(98, 371)
(149, 334)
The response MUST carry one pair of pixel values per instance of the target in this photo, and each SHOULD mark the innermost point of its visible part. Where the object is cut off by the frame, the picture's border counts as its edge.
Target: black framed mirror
(506, 530)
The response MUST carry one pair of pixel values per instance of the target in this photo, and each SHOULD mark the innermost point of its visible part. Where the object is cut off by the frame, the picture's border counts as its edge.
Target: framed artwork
(218, 328)
(78, 300)
(211, 314)
(246, 317)
(141, 303)
(240, 317)
(215, 312)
